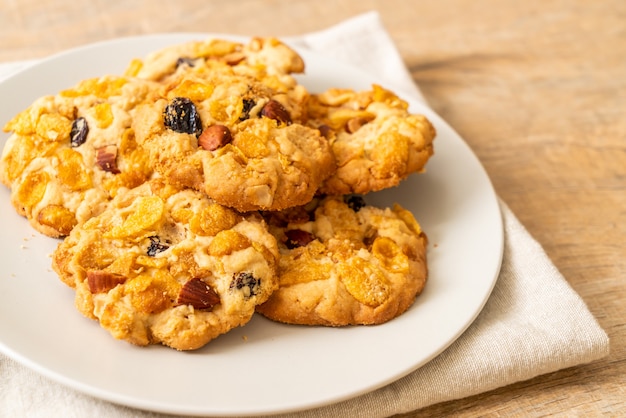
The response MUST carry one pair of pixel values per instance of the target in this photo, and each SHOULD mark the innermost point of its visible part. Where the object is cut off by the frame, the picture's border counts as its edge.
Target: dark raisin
(180, 115)
(248, 104)
(185, 61)
(156, 247)
(247, 283)
(78, 134)
(298, 238)
(355, 202)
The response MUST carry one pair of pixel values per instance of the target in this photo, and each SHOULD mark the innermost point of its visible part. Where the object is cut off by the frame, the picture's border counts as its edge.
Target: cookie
(376, 142)
(169, 266)
(236, 139)
(343, 262)
(70, 153)
(262, 58)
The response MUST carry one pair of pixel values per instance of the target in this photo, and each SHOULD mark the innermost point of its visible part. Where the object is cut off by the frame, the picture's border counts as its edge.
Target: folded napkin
(533, 323)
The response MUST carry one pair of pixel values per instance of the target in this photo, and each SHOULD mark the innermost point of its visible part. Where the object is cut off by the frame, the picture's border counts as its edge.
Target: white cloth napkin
(534, 322)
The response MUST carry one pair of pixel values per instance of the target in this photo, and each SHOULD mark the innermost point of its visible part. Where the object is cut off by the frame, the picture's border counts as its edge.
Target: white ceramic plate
(263, 367)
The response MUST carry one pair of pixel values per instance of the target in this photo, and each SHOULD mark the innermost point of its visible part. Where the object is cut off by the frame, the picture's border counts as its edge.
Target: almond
(106, 158)
(198, 294)
(298, 238)
(214, 137)
(234, 58)
(325, 130)
(275, 110)
(354, 124)
(100, 281)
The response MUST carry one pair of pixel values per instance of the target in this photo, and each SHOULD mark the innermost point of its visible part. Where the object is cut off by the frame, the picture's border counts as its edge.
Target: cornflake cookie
(170, 266)
(238, 140)
(70, 153)
(263, 58)
(376, 142)
(343, 262)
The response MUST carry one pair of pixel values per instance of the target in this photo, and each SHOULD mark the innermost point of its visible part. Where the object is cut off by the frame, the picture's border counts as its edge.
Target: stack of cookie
(206, 184)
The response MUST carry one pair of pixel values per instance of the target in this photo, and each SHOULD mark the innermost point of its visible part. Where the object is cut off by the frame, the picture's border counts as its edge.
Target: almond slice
(100, 281)
(106, 158)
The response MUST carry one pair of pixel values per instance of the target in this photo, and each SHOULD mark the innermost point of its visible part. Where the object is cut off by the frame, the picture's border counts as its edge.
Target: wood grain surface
(538, 90)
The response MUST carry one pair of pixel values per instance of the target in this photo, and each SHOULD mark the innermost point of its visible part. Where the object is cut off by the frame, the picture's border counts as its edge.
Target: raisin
(355, 202)
(185, 61)
(247, 283)
(156, 247)
(78, 134)
(298, 238)
(248, 104)
(181, 115)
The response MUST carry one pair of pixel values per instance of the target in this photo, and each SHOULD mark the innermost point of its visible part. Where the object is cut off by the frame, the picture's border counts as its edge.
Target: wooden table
(536, 87)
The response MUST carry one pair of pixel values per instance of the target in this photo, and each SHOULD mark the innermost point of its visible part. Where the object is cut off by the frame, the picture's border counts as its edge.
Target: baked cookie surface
(343, 262)
(260, 57)
(235, 138)
(70, 153)
(376, 142)
(170, 266)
